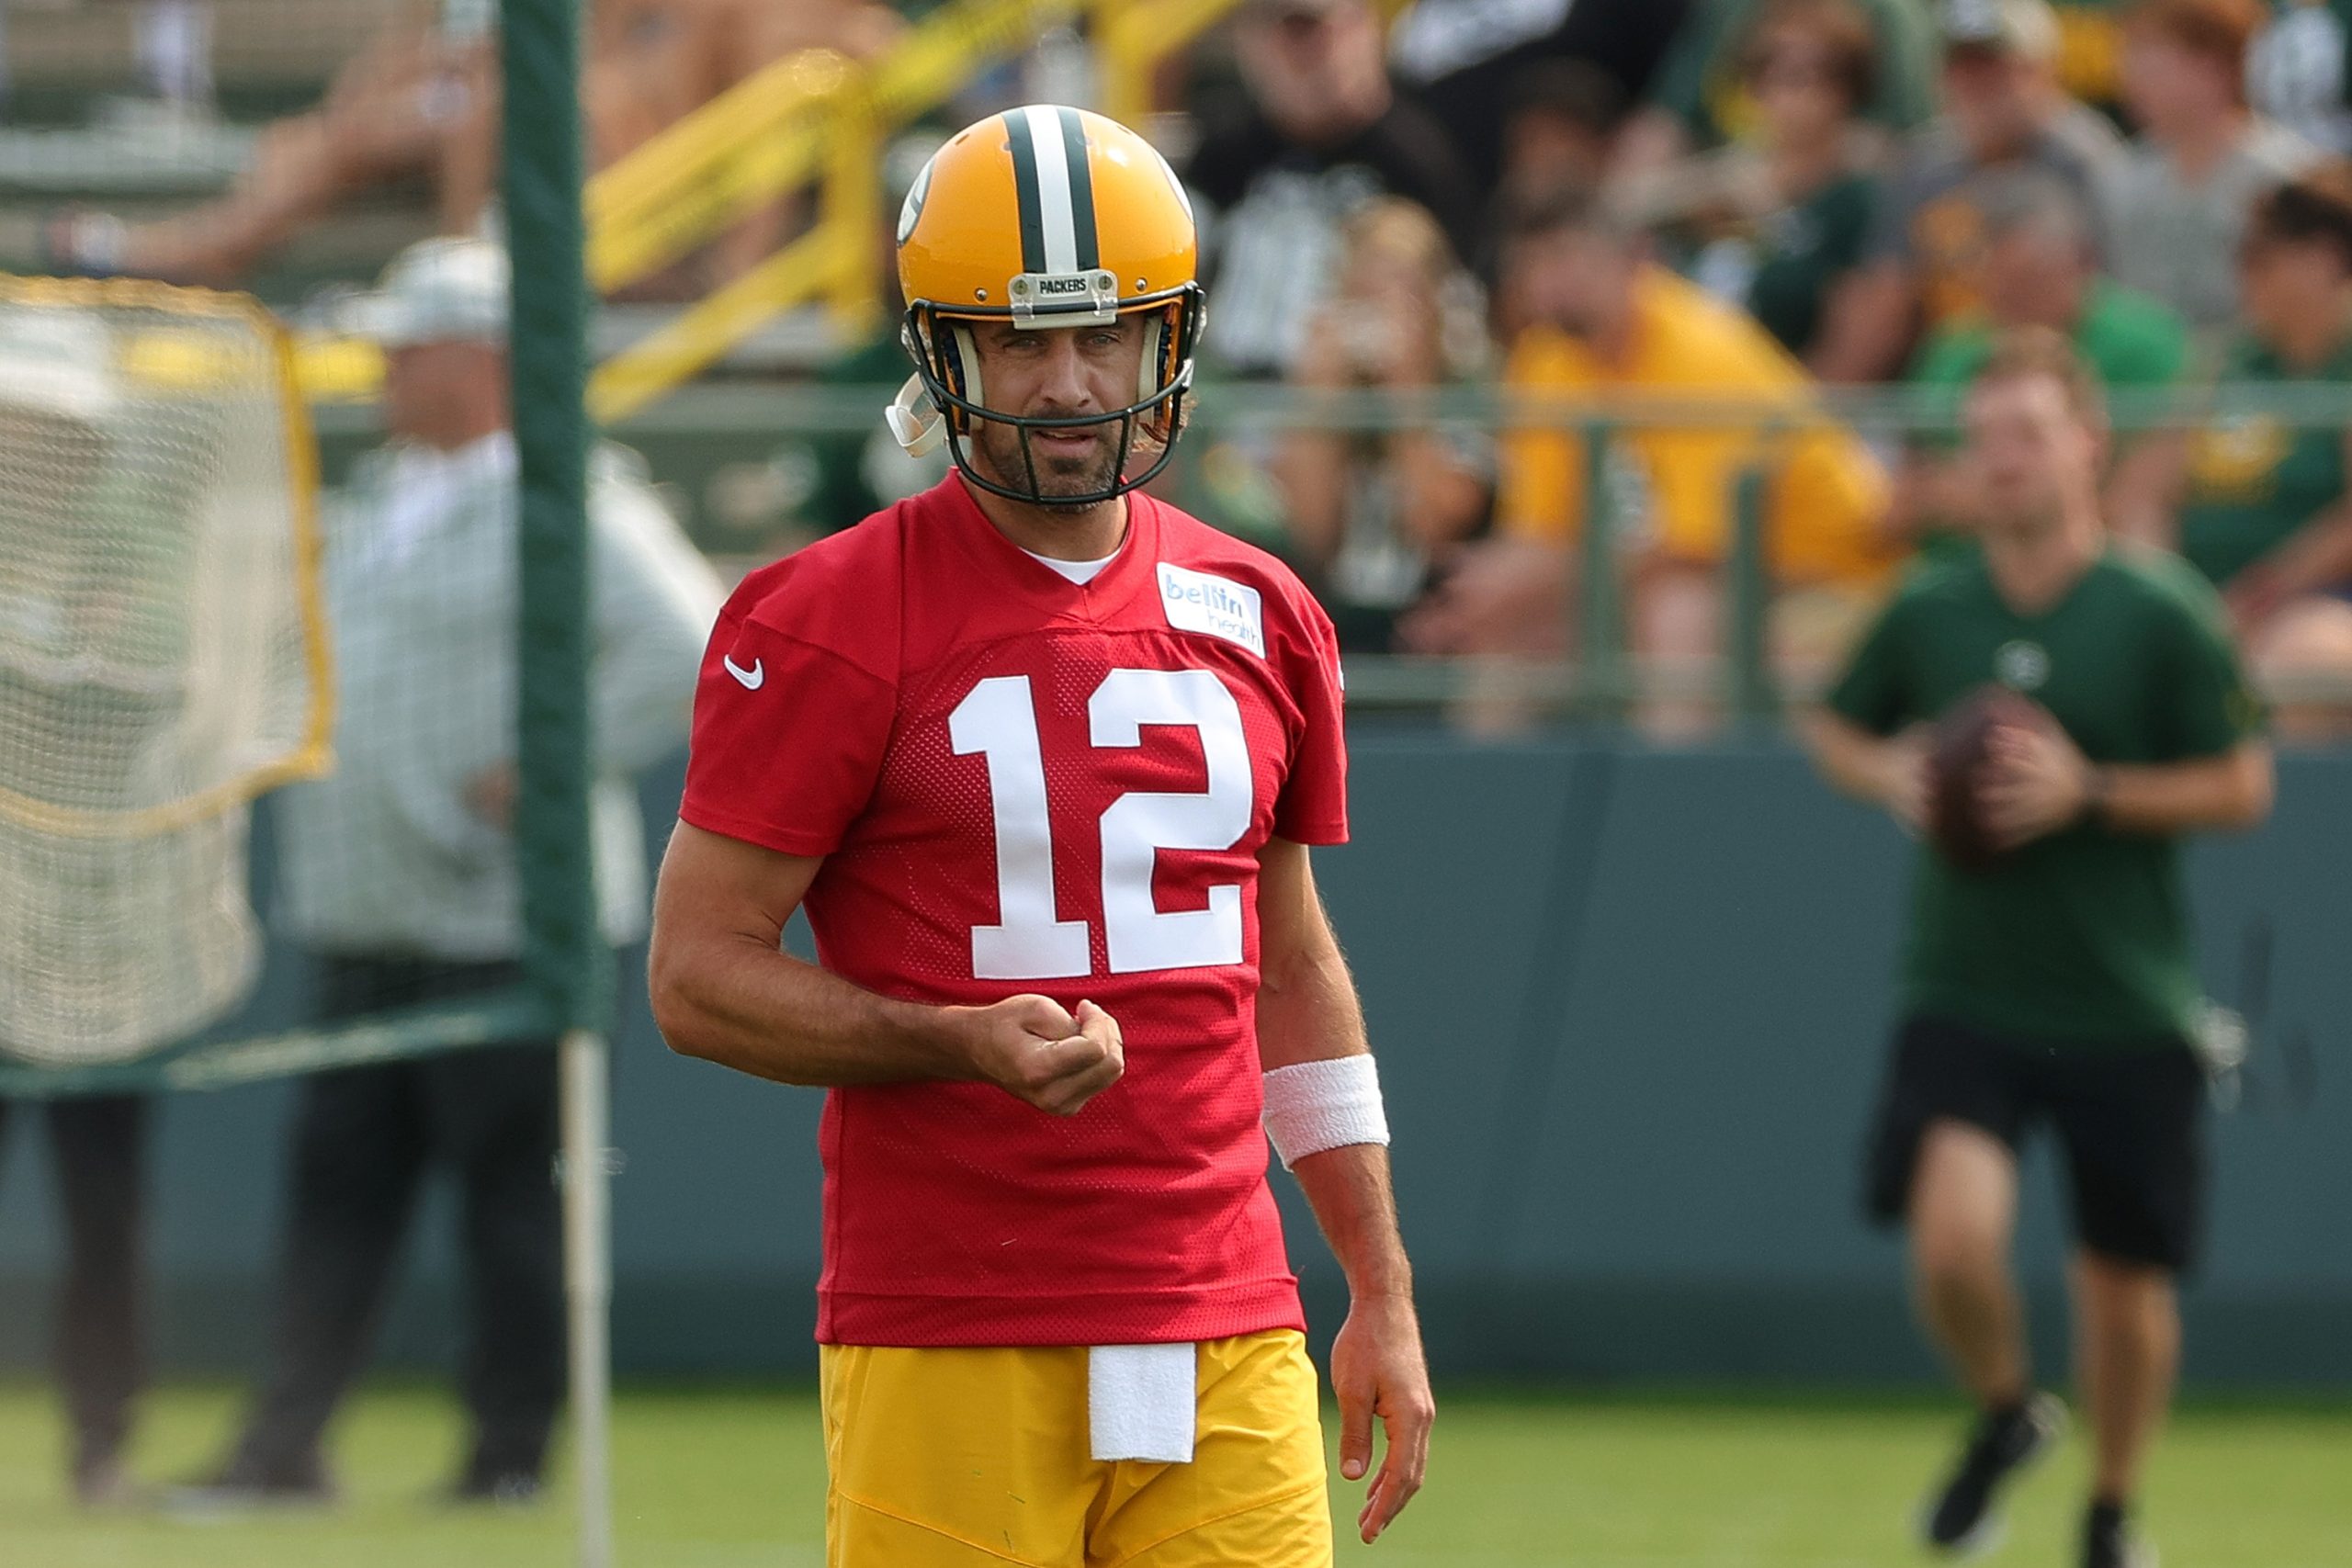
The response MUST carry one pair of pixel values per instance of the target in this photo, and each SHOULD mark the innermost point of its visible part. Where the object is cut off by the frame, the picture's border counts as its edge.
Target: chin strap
(915, 420)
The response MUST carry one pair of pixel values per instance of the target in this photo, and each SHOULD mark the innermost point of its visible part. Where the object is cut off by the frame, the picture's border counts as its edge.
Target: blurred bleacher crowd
(1811, 215)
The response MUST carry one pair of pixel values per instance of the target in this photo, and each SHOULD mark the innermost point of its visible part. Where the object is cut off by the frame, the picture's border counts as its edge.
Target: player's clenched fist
(1033, 1050)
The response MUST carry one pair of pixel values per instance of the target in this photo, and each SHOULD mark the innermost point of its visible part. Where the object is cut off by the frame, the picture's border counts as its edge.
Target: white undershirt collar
(1078, 571)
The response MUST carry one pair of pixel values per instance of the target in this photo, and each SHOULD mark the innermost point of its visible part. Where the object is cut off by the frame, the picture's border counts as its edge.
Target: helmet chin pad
(915, 421)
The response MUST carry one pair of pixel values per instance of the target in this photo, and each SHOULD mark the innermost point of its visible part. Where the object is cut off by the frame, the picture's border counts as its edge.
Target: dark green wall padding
(1629, 1007)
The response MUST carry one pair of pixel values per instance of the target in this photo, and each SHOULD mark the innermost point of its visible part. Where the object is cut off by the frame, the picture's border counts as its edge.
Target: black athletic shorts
(2130, 1123)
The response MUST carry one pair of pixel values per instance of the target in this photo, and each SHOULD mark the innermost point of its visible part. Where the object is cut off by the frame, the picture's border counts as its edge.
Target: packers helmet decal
(1047, 217)
(911, 208)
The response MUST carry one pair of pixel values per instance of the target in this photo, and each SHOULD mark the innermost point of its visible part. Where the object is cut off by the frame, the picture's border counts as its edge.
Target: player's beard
(1074, 473)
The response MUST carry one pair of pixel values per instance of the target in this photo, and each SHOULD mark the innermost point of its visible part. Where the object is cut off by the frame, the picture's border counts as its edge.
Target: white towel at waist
(1141, 1402)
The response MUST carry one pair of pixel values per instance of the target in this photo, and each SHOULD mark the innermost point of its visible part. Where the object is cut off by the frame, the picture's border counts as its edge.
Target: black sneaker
(1959, 1518)
(2109, 1541)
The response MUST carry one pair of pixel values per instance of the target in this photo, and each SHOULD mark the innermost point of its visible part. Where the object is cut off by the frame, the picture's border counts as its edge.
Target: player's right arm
(723, 990)
(1861, 736)
(1886, 771)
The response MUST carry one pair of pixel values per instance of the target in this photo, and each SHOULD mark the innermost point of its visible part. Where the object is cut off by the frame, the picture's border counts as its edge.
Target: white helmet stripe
(1053, 156)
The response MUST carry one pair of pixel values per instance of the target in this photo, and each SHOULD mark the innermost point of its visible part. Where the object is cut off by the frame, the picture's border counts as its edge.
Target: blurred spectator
(2039, 270)
(399, 108)
(2003, 106)
(2089, 60)
(1367, 511)
(1607, 319)
(1320, 133)
(2176, 203)
(649, 64)
(400, 878)
(422, 102)
(1704, 94)
(2267, 513)
(98, 1144)
(2295, 71)
(1559, 131)
(1776, 221)
(1465, 60)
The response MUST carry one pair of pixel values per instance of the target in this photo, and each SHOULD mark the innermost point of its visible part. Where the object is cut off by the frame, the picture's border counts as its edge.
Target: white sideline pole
(588, 1284)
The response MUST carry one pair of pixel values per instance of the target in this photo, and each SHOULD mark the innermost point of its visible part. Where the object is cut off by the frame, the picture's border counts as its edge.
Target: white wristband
(1314, 1106)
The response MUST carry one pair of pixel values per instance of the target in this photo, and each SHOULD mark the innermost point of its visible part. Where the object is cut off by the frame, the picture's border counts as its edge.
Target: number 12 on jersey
(999, 720)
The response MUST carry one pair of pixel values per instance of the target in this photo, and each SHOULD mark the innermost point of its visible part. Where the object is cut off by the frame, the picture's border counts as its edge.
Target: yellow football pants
(973, 1457)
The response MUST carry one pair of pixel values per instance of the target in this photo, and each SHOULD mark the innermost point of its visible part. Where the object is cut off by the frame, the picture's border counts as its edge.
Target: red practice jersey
(1020, 783)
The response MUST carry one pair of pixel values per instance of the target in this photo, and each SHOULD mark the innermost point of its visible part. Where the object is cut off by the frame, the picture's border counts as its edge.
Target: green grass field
(711, 1480)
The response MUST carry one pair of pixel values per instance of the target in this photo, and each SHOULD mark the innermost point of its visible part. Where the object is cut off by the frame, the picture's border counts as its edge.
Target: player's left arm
(1310, 1028)
(2041, 782)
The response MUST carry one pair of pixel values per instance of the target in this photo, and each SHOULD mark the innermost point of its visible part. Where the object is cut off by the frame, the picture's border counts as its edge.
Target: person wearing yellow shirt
(1600, 319)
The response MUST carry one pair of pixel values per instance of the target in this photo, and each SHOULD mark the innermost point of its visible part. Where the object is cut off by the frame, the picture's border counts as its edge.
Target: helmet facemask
(947, 378)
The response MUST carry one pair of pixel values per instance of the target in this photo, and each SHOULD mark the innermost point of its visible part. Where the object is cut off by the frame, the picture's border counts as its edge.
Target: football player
(1042, 757)
(2058, 983)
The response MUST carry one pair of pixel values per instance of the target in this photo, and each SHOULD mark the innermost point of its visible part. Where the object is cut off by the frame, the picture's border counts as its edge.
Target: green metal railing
(809, 407)
(1602, 680)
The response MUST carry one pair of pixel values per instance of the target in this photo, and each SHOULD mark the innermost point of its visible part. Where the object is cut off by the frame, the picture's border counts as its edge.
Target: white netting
(161, 660)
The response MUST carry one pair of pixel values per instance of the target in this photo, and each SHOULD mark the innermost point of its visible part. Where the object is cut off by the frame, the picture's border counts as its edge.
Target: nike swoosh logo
(752, 678)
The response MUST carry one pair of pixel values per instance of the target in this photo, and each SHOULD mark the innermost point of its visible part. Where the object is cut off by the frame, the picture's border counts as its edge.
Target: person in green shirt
(2038, 268)
(2257, 484)
(2057, 984)
(1776, 221)
(2263, 509)
(1702, 95)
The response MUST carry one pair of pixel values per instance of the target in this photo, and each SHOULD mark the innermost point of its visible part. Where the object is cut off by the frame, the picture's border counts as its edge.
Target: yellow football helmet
(1047, 217)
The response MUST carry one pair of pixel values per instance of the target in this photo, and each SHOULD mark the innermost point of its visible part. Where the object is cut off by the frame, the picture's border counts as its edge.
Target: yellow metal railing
(821, 116)
(813, 118)
(801, 118)
(1132, 37)
(757, 142)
